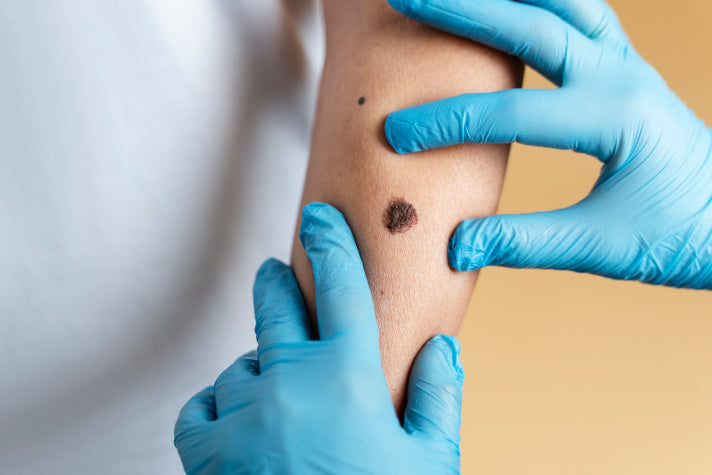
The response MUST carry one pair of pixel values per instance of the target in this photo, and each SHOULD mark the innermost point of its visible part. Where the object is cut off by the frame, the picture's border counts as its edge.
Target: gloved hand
(649, 215)
(300, 405)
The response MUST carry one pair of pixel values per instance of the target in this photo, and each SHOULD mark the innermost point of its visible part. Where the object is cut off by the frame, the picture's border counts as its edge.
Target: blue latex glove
(298, 405)
(648, 216)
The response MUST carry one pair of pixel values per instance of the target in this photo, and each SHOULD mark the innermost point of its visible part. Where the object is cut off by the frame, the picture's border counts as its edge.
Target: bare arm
(402, 209)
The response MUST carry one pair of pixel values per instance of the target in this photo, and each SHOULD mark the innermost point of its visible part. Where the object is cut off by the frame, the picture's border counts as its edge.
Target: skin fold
(392, 62)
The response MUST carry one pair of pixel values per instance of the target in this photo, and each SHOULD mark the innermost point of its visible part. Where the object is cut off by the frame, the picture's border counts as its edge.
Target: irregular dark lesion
(400, 216)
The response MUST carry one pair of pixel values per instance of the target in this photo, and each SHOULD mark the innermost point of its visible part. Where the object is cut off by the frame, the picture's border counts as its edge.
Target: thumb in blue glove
(649, 215)
(300, 405)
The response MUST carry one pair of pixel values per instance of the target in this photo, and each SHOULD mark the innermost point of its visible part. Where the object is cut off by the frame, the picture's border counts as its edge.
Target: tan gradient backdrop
(571, 374)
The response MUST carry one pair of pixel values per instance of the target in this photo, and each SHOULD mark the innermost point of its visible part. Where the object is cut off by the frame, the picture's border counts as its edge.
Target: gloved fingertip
(450, 349)
(462, 256)
(314, 217)
(435, 391)
(270, 267)
(399, 134)
(324, 230)
(269, 273)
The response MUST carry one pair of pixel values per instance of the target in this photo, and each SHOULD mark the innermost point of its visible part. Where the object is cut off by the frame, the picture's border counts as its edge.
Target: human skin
(392, 62)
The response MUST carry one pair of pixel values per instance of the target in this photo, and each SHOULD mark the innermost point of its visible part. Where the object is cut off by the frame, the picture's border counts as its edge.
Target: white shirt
(152, 155)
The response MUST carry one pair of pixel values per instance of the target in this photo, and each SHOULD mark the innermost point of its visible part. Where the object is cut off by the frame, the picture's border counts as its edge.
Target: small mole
(400, 216)
(362, 101)
(382, 292)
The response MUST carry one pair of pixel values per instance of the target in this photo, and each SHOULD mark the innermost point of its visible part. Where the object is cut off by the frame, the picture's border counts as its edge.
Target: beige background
(573, 374)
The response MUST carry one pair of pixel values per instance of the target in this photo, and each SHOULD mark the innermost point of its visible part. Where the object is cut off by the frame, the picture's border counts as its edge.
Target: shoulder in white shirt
(140, 143)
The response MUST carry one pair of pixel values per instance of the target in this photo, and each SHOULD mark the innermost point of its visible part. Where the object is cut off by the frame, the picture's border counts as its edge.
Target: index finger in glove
(344, 304)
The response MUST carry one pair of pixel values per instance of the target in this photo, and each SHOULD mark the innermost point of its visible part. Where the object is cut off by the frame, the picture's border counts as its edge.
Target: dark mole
(362, 101)
(400, 216)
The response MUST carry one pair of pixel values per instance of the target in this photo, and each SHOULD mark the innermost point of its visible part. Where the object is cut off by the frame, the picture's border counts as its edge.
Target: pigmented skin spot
(361, 101)
(400, 216)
